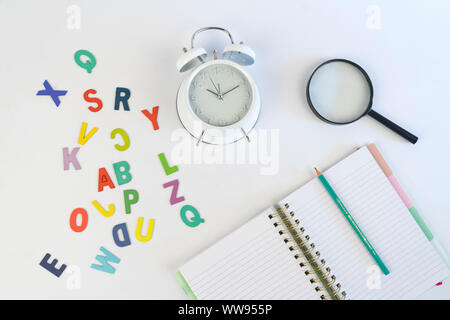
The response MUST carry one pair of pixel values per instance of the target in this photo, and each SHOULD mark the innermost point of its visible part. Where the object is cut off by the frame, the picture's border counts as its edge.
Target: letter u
(149, 234)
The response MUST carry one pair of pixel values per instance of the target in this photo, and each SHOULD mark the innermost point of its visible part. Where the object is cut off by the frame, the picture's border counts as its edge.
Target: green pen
(352, 222)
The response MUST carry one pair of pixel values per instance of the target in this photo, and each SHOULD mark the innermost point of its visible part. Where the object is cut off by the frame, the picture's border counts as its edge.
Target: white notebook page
(253, 262)
(374, 204)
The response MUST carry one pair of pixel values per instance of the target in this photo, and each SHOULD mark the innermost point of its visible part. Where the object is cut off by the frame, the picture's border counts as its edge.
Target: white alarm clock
(218, 102)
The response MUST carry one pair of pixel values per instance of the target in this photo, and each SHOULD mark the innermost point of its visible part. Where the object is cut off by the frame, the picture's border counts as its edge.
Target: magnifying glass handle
(394, 127)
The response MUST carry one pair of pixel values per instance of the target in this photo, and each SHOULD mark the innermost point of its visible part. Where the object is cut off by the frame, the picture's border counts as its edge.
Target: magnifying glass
(340, 92)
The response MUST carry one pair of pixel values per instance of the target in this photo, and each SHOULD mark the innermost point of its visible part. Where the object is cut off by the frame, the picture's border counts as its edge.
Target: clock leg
(248, 139)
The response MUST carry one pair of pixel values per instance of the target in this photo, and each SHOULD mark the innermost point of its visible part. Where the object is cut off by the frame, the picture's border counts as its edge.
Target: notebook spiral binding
(310, 259)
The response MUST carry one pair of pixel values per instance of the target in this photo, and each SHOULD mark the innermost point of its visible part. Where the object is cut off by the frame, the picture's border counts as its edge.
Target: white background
(136, 44)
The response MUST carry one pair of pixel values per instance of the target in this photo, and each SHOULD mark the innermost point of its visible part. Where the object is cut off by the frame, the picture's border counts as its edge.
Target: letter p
(130, 197)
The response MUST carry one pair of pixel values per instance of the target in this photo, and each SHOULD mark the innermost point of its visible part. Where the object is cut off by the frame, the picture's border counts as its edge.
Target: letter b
(122, 171)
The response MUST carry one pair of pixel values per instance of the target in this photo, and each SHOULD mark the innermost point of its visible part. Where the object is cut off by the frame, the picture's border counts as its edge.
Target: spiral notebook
(303, 248)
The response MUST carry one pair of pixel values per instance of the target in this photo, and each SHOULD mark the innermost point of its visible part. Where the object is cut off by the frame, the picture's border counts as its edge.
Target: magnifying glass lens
(340, 92)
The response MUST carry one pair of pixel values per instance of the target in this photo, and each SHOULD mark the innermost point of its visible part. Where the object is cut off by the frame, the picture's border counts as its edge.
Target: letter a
(104, 180)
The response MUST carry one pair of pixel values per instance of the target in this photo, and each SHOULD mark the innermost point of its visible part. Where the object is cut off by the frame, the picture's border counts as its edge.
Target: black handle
(388, 123)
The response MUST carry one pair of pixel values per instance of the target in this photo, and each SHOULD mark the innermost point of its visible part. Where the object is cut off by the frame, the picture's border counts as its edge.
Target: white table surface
(402, 45)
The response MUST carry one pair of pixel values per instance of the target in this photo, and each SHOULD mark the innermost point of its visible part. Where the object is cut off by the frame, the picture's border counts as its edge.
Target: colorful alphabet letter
(167, 168)
(52, 265)
(194, 220)
(105, 213)
(104, 180)
(73, 220)
(54, 94)
(152, 116)
(122, 98)
(71, 158)
(89, 63)
(98, 101)
(173, 197)
(129, 201)
(83, 138)
(122, 170)
(126, 139)
(104, 260)
(126, 237)
(149, 234)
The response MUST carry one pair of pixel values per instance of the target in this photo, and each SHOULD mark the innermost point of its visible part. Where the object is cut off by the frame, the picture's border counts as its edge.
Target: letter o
(73, 220)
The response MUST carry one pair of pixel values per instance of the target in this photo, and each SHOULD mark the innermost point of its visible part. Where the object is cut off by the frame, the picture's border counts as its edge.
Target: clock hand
(213, 92)
(217, 91)
(230, 90)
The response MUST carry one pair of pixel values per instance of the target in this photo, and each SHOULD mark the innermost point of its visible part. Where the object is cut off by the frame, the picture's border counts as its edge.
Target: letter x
(52, 93)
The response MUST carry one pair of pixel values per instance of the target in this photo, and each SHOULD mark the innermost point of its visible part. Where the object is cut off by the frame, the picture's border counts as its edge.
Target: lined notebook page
(370, 198)
(253, 262)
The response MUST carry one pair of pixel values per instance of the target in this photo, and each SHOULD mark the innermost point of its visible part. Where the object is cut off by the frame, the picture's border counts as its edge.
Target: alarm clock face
(220, 94)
